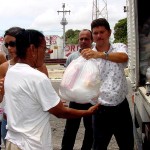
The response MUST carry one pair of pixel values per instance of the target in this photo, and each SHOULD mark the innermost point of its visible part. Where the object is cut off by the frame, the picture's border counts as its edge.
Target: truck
(138, 34)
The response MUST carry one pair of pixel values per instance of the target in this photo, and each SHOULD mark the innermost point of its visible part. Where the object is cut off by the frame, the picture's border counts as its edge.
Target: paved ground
(57, 133)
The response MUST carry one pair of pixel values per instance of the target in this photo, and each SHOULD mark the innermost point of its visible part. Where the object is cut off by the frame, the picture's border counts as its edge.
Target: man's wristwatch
(106, 54)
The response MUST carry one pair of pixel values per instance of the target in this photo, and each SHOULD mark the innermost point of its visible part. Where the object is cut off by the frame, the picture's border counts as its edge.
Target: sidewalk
(55, 71)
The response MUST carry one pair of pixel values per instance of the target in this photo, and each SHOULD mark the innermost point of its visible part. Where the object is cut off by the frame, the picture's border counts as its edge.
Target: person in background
(72, 125)
(30, 97)
(2, 60)
(10, 44)
(9, 40)
(114, 116)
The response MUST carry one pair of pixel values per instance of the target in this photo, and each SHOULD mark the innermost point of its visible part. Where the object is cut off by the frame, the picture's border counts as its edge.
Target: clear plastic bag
(81, 81)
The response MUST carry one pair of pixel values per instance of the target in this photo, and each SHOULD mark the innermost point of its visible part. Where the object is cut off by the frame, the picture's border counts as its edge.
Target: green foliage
(120, 31)
(72, 36)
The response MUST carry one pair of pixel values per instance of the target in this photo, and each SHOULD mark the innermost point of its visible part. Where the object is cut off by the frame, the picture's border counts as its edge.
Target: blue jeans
(3, 130)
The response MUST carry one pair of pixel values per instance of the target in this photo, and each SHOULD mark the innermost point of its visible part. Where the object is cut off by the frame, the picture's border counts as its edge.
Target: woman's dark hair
(25, 38)
(100, 22)
(13, 31)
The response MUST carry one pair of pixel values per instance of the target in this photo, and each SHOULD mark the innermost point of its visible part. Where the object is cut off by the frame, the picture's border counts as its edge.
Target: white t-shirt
(113, 89)
(29, 95)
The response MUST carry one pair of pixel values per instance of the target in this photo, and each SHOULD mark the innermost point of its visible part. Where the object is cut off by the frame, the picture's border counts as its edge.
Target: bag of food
(81, 81)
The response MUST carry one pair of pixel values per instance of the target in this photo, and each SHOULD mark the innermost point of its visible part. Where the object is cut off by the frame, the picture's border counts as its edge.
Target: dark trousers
(0, 134)
(72, 126)
(3, 129)
(117, 121)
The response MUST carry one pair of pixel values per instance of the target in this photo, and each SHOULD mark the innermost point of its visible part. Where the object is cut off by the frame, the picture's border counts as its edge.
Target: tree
(120, 31)
(72, 36)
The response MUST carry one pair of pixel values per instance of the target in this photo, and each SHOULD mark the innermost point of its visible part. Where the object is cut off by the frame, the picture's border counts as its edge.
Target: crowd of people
(29, 97)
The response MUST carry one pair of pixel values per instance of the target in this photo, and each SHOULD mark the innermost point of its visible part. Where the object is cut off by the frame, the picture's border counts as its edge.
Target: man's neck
(103, 48)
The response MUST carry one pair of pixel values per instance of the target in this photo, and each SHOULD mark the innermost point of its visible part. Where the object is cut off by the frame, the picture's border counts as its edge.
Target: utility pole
(64, 22)
(96, 12)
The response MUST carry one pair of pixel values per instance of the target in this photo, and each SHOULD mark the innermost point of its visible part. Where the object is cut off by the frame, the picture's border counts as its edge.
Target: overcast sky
(42, 14)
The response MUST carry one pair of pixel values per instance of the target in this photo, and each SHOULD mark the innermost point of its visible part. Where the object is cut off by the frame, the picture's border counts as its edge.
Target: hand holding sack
(81, 81)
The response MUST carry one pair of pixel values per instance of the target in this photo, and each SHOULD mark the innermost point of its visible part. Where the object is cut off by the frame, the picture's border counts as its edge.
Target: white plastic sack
(81, 81)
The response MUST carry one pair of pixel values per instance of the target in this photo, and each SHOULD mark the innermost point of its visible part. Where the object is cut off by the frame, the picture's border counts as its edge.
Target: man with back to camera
(114, 116)
(72, 125)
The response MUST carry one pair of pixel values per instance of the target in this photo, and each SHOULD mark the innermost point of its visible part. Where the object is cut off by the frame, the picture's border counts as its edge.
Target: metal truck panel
(133, 47)
(138, 28)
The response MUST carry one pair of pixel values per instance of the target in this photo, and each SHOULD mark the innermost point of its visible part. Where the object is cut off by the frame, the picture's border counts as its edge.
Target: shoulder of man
(120, 47)
(71, 57)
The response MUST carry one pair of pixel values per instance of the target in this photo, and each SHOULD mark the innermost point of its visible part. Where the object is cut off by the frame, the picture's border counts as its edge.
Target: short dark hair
(13, 31)
(25, 38)
(88, 31)
(100, 22)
